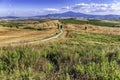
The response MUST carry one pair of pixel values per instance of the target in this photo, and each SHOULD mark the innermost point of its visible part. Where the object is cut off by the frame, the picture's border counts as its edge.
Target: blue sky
(43, 7)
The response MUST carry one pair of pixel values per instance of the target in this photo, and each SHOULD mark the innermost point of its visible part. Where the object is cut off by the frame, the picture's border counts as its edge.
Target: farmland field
(85, 51)
(26, 30)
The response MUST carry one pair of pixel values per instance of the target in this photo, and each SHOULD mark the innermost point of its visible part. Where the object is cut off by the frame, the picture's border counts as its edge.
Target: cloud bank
(91, 8)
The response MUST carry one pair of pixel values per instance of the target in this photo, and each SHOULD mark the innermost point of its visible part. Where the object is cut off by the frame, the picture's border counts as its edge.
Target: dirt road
(37, 41)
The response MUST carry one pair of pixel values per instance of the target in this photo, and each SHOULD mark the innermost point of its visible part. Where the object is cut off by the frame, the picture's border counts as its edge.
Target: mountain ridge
(69, 14)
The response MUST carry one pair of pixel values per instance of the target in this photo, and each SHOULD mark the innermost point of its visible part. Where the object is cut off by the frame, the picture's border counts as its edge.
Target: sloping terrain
(83, 52)
(17, 35)
(24, 33)
(94, 29)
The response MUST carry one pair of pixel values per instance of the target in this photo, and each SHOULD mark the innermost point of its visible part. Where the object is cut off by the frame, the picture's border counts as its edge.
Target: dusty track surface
(54, 37)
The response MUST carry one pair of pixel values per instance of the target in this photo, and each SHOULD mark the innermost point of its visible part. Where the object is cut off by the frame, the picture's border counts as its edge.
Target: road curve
(54, 37)
(47, 39)
(34, 41)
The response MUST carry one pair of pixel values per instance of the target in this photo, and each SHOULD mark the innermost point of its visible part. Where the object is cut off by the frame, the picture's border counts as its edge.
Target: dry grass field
(8, 35)
(23, 33)
(94, 29)
(28, 32)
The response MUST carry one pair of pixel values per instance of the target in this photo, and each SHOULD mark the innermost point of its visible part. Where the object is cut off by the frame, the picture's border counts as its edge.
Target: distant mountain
(69, 14)
(9, 17)
(66, 14)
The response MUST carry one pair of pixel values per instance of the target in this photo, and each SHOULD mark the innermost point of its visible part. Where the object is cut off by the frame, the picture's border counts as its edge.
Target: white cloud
(115, 6)
(90, 7)
(81, 5)
(51, 10)
(66, 8)
(96, 8)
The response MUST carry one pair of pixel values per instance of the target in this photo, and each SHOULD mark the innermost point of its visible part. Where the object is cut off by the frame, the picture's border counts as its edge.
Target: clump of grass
(30, 28)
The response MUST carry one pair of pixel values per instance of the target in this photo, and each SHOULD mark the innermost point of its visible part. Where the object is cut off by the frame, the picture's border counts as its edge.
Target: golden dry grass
(94, 29)
(48, 24)
(8, 35)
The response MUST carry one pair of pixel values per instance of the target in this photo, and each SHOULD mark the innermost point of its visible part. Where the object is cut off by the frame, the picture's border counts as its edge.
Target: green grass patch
(77, 61)
(95, 37)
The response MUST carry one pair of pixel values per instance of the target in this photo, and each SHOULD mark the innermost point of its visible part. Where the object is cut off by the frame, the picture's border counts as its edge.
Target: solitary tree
(85, 28)
(61, 26)
(58, 26)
